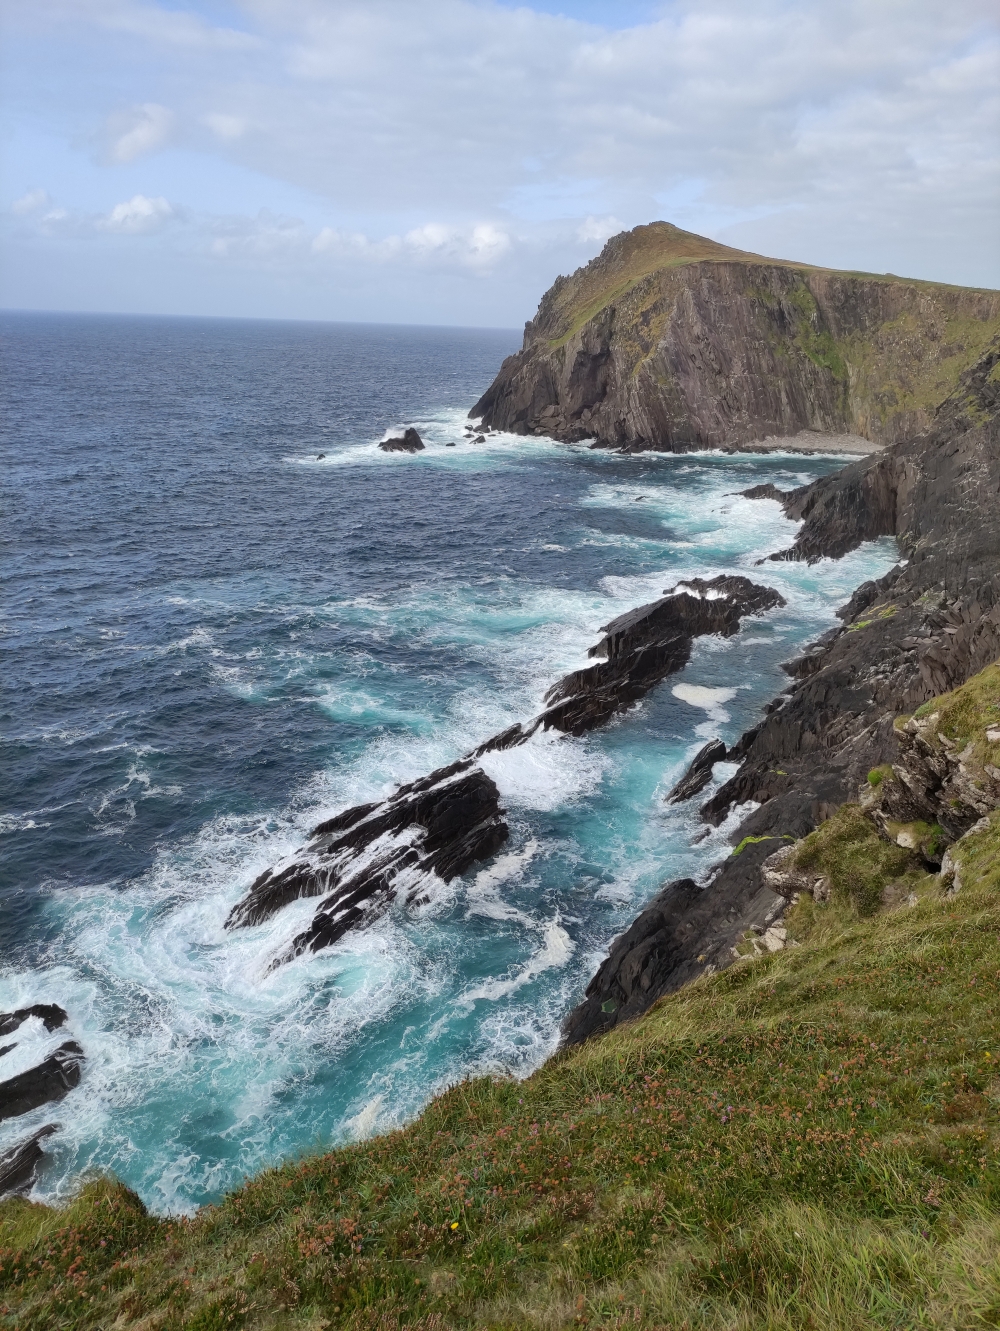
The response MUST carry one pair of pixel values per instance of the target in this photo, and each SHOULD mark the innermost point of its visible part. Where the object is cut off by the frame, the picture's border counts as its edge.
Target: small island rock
(408, 442)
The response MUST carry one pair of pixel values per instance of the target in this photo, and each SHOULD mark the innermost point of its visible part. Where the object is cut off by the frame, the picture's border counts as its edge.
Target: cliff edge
(927, 627)
(671, 341)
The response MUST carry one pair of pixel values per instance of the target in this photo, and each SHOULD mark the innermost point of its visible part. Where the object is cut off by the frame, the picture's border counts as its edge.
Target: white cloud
(141, 130)
(497, 145)
(136, 216)
(598, 229)
(228, 128)
(30, 202)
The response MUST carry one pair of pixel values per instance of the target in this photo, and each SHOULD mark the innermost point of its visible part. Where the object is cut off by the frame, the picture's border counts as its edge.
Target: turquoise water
(216, 639)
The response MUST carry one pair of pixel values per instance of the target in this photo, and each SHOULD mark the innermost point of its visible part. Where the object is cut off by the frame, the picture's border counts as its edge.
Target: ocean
(227, 615)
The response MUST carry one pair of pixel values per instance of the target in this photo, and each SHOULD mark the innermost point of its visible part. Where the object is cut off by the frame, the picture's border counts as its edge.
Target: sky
(440, 161)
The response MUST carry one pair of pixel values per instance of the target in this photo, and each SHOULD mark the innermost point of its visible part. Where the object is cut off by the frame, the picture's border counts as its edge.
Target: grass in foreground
(806, 1140)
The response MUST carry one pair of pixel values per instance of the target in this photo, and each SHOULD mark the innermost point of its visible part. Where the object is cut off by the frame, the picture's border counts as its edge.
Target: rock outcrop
(19, 1165)
(51, 1015)
(50, 1080)
(645, 645)
(925, 628)
(671, 341)
(360, 861)
(407, 442)
(699, 773)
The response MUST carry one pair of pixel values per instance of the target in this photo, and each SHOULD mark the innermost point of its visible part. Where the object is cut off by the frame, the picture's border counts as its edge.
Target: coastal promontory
(671, 341)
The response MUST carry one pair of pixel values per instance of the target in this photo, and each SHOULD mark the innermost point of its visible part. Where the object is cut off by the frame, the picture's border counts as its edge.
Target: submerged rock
(408, 442)
(19, 1165)
(360, 861)
(698, 775)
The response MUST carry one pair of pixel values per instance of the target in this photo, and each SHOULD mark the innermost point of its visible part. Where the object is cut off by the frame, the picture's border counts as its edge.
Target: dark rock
(19, 1165)
(439, 825)
(920, 631)
(320, 457)
(450, 445)
(50, 1080)
(479, 439)
(698, 775)
(51, 1015)
(408, 442)
(649, 643)
(766, 491)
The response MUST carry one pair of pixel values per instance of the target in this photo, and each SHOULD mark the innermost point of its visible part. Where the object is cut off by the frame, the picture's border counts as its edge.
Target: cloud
(137, 216)
(598, 229)
(226, 127)
(500, 144)
(30, 202)
(139, 131)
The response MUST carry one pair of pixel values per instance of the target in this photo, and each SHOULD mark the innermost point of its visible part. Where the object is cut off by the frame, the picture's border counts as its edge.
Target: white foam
(363, 1123)
(549, 771)
(710, 700)
(556, 950)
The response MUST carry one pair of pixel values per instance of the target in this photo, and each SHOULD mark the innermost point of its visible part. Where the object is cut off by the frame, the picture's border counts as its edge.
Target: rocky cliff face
(924, 629)
(671, 341)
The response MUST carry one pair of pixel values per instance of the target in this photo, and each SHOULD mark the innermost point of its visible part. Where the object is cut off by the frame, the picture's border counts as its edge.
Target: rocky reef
(907, 641)
(671, 341)
(360, 861)
(45, 1082)
(364, 859)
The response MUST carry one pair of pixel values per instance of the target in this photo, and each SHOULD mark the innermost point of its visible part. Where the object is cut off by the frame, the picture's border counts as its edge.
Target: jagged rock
(50, 1080)
(779, 873)
(19, 1165)
(647, 644)
(766, 491)
(698, 775)
(50, 1014)
(684, 932)
(915, 634)
(930, 782)
(360, 861)
(408, 442)
(671, 341)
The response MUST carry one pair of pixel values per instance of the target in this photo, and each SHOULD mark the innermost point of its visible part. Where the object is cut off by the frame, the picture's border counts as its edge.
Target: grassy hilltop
(669, 340)
(806, 1140)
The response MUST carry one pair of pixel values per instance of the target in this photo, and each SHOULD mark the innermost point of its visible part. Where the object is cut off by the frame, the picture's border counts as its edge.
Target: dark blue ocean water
(213, 639)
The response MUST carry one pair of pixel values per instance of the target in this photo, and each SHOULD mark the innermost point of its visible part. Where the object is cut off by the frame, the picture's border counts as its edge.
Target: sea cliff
(671, 341)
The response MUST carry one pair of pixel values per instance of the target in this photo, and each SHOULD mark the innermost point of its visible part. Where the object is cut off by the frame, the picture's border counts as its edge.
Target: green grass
(806, 1140)
(965, 715)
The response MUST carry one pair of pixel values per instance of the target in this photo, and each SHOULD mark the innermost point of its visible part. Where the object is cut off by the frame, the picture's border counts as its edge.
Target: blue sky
(440, 162)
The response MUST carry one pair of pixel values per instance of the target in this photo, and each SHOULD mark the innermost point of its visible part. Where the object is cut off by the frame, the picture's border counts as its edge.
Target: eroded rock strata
(19, 1164)
(363, 859)
(367, 857)
(645, 645)
(926, 627)
(50, 1080)
(671, 341)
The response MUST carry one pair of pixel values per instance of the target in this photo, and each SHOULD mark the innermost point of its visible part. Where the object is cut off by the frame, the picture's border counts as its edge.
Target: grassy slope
(904, 366)
(808, 1139)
